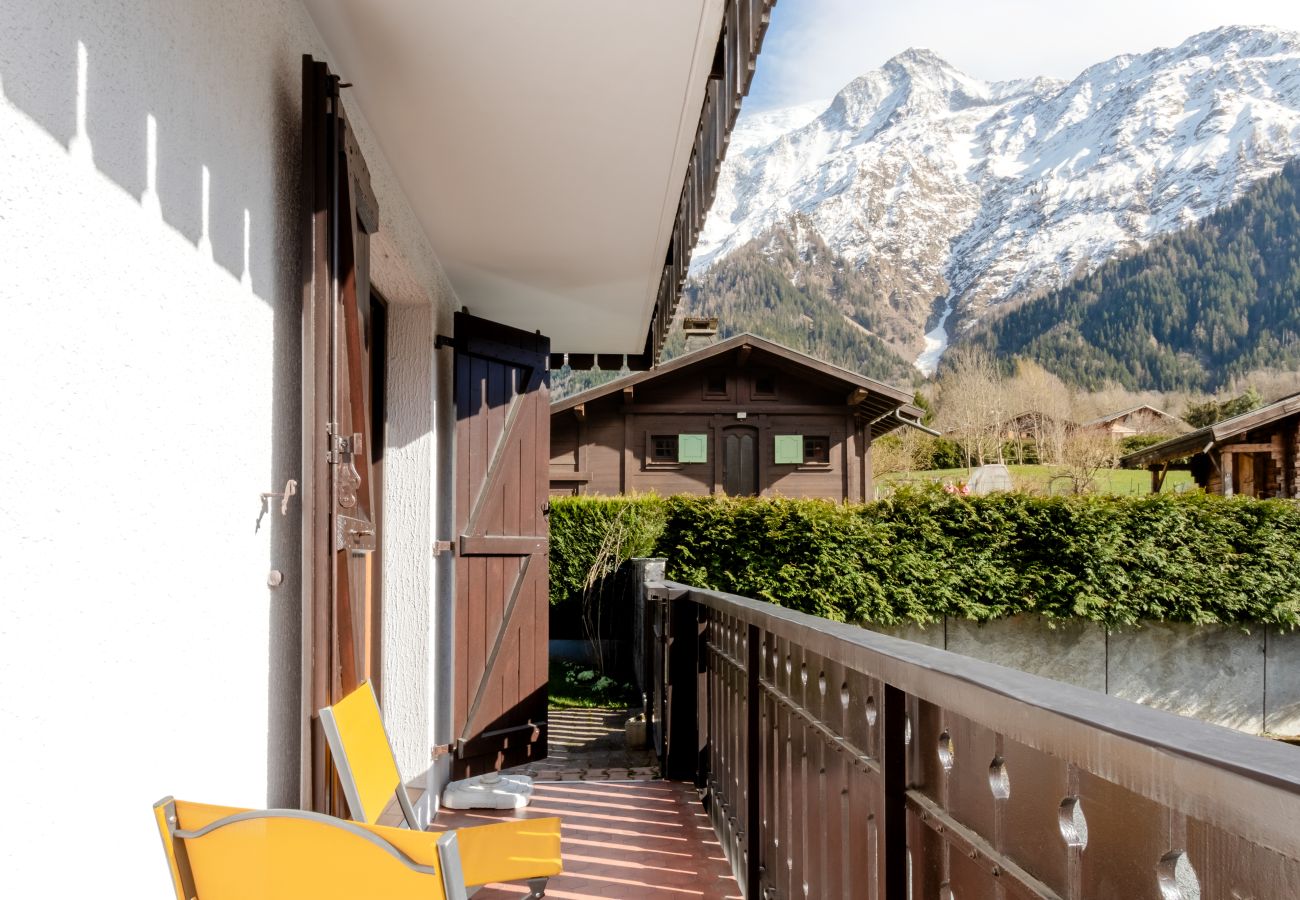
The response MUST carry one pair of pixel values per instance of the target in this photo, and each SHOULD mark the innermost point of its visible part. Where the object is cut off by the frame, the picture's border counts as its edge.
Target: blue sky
(815, 47)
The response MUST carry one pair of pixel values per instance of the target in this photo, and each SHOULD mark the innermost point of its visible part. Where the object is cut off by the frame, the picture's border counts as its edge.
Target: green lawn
(1039, 479)
(577, 686)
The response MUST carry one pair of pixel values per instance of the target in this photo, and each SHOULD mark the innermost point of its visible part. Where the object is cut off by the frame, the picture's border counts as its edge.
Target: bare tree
(1085, 452)
(973, 405)
(891, 454)
(1049, 405)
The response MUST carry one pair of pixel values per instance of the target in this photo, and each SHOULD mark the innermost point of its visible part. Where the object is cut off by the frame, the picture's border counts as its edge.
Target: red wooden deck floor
(648, 839)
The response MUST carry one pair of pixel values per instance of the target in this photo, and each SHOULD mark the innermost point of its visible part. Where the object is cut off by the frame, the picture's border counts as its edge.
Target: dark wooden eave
(744, 23)
(878, 404)
(1212, 435)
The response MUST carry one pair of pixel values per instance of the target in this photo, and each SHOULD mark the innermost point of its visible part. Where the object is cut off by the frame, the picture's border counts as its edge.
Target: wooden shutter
(502, 469)
(340, 500)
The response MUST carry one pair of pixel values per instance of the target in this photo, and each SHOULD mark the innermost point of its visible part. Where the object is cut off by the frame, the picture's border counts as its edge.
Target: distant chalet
(1144, 419)
(743, 417)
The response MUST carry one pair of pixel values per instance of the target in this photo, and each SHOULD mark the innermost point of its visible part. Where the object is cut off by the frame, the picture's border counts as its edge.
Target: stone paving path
(590, 745)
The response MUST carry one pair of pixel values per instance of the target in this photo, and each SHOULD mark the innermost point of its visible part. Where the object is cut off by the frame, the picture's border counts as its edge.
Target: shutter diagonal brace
(520, 578)
(498, 454)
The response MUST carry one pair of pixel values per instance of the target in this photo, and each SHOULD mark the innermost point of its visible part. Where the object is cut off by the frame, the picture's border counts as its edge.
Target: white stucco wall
(149, 390)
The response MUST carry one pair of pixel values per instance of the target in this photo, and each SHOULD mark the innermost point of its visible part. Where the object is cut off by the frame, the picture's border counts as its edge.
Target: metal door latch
(356, 535)
(343, 454)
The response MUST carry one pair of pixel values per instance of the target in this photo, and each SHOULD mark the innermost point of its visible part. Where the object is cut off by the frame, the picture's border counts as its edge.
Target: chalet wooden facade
(1256, 454)
(743, 417)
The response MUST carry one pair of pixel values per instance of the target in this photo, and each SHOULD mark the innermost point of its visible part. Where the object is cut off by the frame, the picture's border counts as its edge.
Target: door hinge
(443, 340)
(444, 547)
(441, 750)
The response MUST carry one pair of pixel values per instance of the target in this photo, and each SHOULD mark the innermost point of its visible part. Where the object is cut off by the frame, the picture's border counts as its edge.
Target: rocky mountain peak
(955, 197)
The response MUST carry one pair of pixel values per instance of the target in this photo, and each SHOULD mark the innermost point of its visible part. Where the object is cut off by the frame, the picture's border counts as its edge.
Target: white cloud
(815, 47)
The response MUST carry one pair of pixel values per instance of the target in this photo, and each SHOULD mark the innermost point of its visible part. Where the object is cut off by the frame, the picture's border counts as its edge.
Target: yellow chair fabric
(515, 850)
(364, 755)
(288, 854)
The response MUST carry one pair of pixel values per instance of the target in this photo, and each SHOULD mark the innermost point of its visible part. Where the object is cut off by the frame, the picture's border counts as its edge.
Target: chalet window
(663, 448)
(801, 449)
(764, 386)
(817, 449)
(674, 449)
(715, 386)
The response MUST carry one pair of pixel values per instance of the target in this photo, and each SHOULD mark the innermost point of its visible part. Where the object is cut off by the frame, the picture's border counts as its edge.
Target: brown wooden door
(740, 461)
(343, 334)
(502, 472)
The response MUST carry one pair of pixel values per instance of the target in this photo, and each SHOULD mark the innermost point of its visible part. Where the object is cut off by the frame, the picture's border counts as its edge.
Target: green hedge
(924, 554)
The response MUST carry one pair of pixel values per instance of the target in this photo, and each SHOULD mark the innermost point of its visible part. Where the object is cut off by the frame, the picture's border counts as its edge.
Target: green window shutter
(789, 449)
(692, 448)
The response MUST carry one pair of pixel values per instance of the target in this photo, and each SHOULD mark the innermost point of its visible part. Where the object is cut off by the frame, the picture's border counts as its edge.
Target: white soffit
(543, 145)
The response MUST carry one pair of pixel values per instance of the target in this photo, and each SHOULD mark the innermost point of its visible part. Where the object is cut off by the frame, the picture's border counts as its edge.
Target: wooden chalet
(742, 417)
(1143, 419)
(1030, 425)
(1256, 454)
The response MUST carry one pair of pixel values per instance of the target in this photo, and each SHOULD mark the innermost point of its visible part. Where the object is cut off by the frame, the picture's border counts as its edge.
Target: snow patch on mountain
(961, 195)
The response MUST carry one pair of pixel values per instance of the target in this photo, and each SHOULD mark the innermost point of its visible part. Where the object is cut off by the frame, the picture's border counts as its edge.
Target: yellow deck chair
(224, 853)
(515, 850)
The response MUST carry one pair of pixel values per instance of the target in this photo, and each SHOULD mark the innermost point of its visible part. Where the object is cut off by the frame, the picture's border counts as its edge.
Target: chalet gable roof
(874, 398)
(1146, 408)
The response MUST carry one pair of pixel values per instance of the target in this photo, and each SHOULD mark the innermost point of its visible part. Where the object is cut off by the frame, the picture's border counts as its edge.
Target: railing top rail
(1245, 784)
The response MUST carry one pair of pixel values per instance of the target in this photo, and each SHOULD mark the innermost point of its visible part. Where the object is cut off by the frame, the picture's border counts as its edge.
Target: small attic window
(764, 386)
(715, 385)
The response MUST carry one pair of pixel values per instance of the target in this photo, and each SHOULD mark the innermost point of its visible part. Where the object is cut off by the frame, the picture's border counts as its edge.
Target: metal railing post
(894, 770)
(753, 764)
(682, 733)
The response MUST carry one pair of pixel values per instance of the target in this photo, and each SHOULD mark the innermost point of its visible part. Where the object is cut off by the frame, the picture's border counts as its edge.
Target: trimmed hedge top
(924, 554)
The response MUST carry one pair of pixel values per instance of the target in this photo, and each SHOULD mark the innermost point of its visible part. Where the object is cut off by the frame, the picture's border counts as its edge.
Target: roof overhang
(560, 156)
(879, 405)
(1212, 436)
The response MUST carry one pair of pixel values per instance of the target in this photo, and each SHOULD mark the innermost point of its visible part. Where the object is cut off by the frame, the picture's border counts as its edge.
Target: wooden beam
(1248, 448)
(627, 394)
(1225, 468)
(857, 396)
(742, 356)
(580, 411)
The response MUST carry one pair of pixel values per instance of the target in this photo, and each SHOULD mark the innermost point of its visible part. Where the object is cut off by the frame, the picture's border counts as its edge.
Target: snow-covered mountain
(953, 196)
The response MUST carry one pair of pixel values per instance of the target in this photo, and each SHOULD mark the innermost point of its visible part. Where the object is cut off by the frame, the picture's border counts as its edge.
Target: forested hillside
(791, 288)
(1189, 312)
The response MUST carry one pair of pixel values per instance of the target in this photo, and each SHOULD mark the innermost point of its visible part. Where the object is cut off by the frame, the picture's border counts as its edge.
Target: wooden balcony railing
(840, 763)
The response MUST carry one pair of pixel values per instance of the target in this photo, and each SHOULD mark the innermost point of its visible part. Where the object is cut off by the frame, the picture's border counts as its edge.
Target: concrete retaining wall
(1250, 682)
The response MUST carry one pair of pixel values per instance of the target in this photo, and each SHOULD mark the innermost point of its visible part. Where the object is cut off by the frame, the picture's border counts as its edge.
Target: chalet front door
(740, 461)
(503, 430)
(343, 334)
